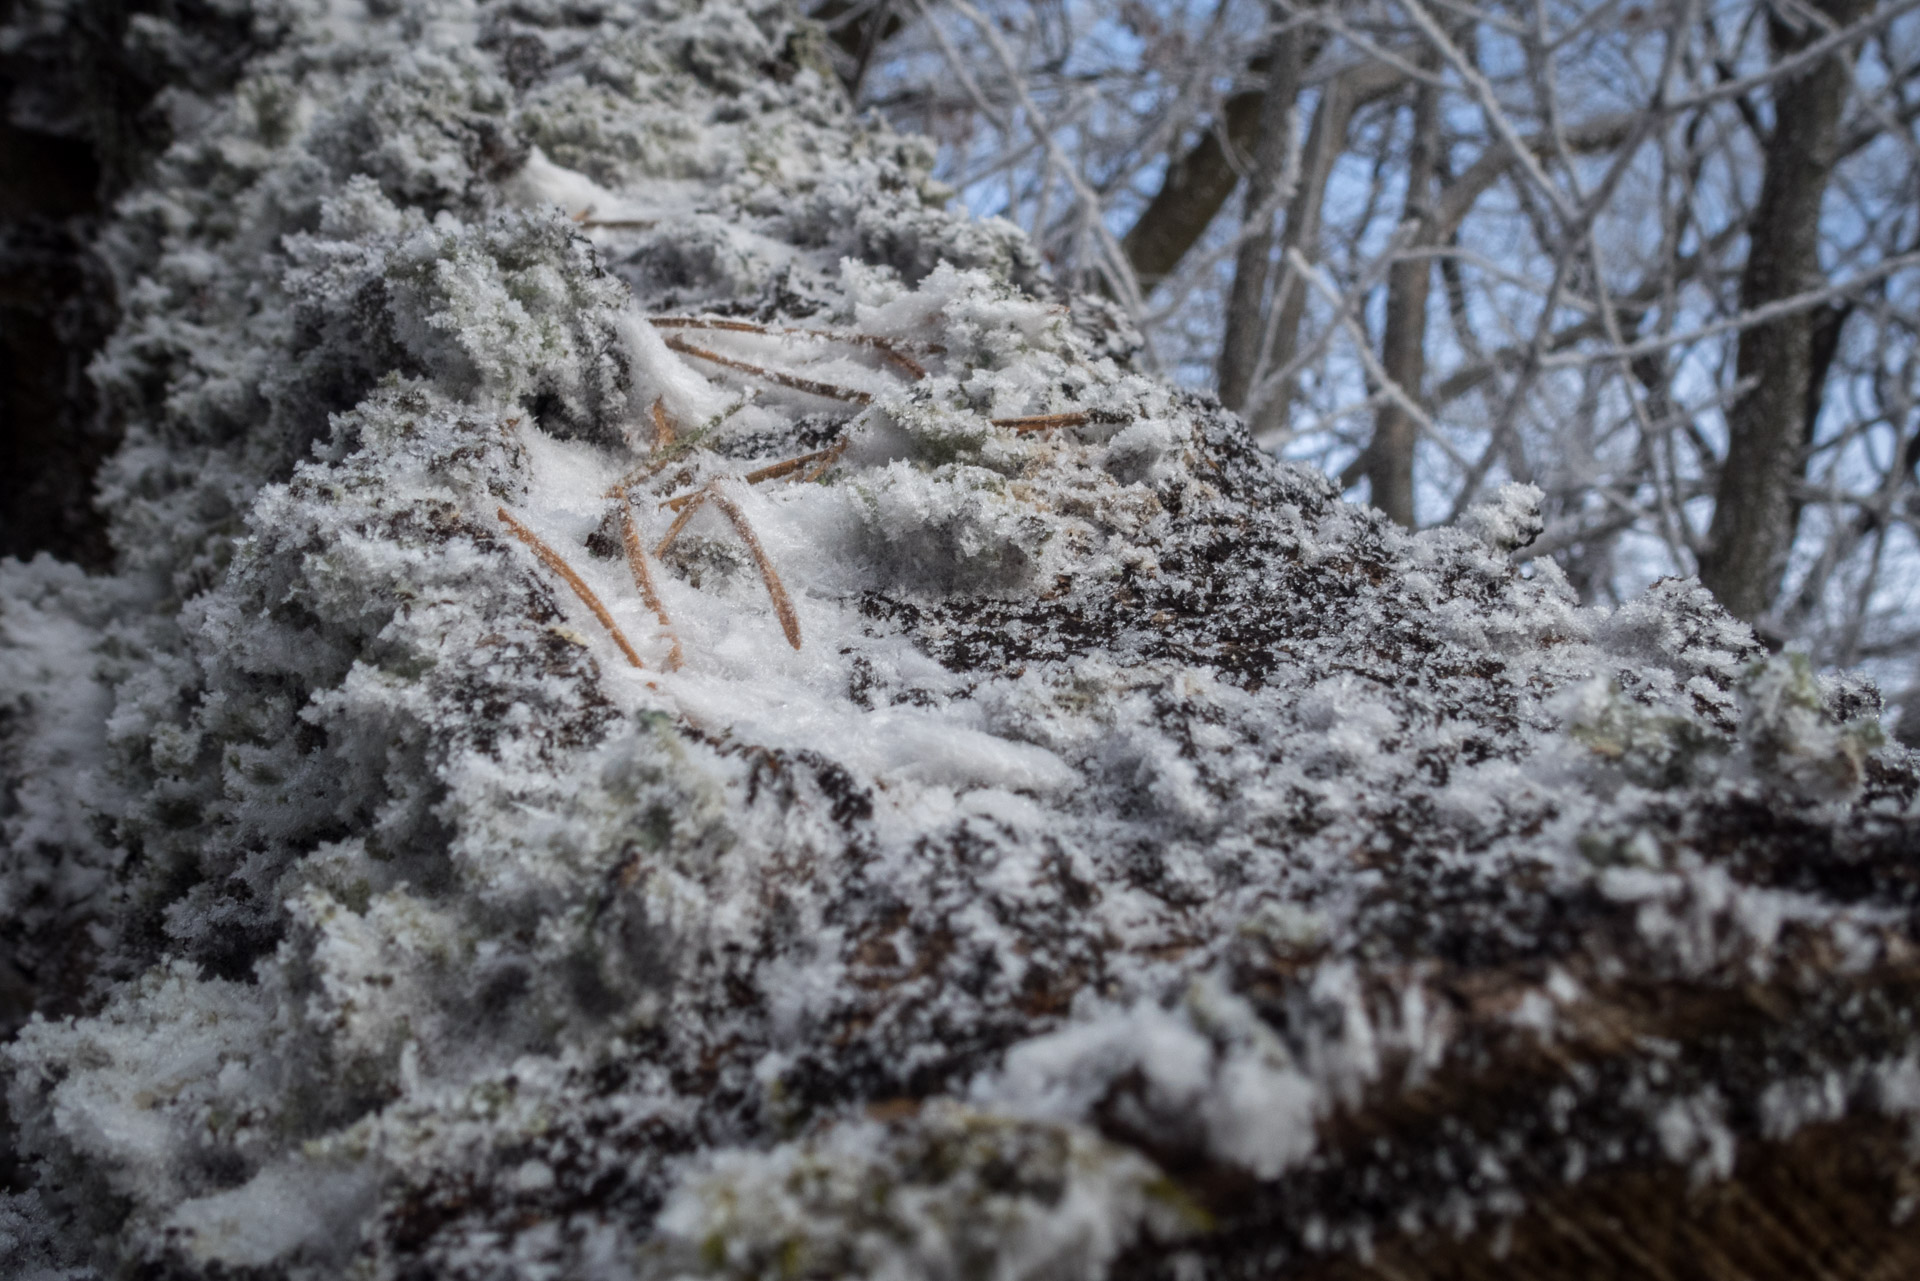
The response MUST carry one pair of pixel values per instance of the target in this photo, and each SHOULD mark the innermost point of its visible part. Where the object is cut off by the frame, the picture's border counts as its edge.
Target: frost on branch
(665, 710)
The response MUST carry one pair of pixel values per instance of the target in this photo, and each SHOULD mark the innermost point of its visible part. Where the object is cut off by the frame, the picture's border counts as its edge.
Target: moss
(1650, 747)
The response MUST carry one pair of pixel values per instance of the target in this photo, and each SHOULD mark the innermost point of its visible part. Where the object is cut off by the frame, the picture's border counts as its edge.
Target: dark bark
(1389, 458)
(1822, 1203)
(78, 128)
(1240, 348)
(1196, 187)
(1198, 183)
(857, 28)
(1754, 514)
(1326, 139)
(53, 315)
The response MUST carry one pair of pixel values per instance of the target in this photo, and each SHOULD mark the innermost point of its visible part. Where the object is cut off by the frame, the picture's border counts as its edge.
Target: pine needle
(689, 507)
(643, 578)
(829, 390)
(828, 457)
(773, 471)
(555, 562)
(1042, 422)
(789, 621)
(887, 347)
(663, 433)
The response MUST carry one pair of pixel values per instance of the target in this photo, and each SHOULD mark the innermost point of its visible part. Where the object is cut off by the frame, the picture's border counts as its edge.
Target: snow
(283, 1209)
(1127, 796)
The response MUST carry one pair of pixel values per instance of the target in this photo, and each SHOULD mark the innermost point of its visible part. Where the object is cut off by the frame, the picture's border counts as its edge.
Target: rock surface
(497, 821)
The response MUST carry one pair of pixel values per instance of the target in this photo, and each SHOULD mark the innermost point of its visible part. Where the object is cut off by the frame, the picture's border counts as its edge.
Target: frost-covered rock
(667, 710)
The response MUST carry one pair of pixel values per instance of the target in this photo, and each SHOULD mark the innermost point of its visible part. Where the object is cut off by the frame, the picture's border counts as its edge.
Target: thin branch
(1745, 320)
(1798, 62)
(1395, 392)
(1126, 286)
(1343, 310)
(1482, 93)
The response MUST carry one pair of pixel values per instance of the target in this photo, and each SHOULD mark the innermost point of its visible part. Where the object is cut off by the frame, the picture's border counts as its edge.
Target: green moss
(807, 50)
(1795, 740)
(357, 896)
(713, 1252)
(1621, 849)
(1652, 748)
(1170, 1196)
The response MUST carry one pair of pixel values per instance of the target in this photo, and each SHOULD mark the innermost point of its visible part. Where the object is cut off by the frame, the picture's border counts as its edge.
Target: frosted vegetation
(442, 855)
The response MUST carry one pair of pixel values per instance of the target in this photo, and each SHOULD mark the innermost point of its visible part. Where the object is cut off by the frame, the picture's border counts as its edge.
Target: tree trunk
(857, 36)
(1274, 149)
(1326, 138)
(1754, 516)
(1199, 181)
(1197, 185)
(1389, 458)
(54, 311)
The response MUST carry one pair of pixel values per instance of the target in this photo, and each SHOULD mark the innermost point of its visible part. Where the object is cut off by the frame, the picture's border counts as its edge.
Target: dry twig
(663, 427)
(828, 457)
(663, 433)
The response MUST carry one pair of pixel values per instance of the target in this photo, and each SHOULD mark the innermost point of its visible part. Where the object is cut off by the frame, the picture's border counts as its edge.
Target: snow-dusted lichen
(665, 710)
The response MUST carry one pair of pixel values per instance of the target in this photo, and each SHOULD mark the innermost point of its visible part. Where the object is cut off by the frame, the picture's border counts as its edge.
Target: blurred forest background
(1660, 258)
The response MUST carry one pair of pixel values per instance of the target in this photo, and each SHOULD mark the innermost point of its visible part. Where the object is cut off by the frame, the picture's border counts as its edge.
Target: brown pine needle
(789, 621)
(887, 347)
(1042, 422)
(647, 468)
(643, 579)
(808, 385)
(663, 432)
(773, 471)
(555, 562)
(716, 322)
(785, 467)
(690, 505)
(619, 224)
(828, 457)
